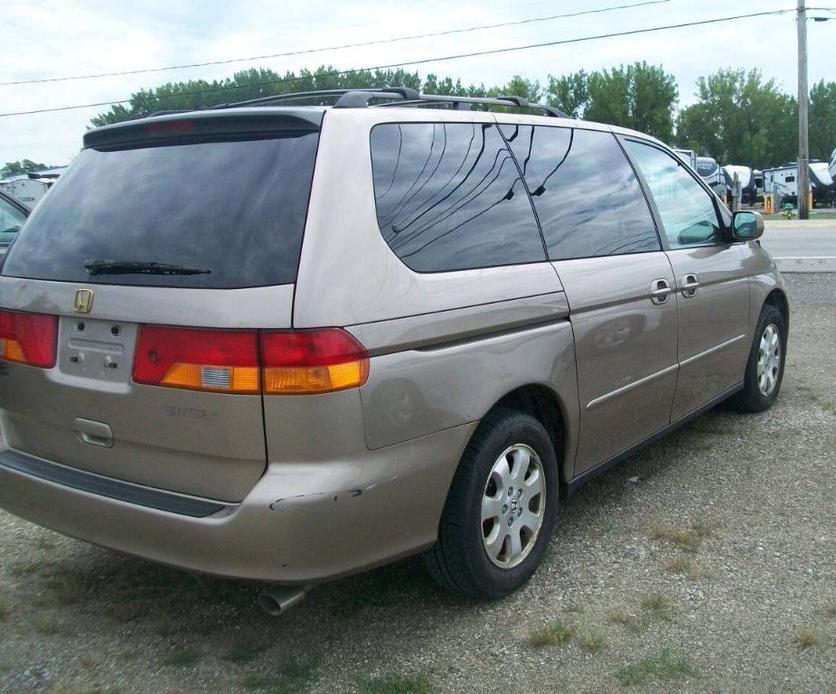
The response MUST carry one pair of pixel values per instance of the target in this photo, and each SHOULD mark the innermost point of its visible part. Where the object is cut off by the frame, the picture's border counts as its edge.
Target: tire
(460, 560)
(754, 397)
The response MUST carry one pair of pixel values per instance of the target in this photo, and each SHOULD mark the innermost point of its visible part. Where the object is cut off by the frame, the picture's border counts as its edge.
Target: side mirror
(747, 226)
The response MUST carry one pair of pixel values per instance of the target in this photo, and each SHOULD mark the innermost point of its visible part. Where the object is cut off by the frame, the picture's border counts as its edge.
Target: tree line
(738, 117)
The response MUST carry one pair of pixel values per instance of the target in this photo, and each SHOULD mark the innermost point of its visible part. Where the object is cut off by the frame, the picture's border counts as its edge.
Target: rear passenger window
(449, 197)
(586, 194)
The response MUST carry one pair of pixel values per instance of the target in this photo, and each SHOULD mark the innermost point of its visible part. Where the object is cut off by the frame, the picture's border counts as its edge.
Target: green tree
(740, 119)
(638, 96)
(15, 168)
(569, 93)
(822, 120)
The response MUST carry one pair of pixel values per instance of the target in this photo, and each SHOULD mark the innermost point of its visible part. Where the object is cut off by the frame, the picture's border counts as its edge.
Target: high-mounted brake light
(29, 338)
(249, 361)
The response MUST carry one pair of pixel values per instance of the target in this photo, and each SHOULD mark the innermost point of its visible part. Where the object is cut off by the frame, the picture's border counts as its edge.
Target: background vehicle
(751, 183)
(782, 182)
(689, 156)
(709, 171)
(326, 338)
(13, 214)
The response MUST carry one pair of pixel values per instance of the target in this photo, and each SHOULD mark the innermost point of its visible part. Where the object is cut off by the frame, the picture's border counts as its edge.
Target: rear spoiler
(200, 126)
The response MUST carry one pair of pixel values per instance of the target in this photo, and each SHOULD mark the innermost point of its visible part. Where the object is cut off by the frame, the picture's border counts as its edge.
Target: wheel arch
(778, 298)
(546, 406)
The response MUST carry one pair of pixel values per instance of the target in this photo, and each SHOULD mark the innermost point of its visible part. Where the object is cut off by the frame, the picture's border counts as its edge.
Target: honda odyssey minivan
(288, 343)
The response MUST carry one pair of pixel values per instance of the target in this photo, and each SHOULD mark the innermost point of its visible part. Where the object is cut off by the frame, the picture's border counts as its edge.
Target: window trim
(725, 228)
(654, 217)
(493, 124)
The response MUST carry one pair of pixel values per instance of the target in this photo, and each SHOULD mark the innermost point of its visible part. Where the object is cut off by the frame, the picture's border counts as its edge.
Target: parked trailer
(689, 156)
(27, 190)
(709, 171)
(751, 182)
(782, 182)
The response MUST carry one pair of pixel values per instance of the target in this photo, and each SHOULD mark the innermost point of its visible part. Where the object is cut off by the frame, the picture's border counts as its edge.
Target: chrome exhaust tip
(277, 600)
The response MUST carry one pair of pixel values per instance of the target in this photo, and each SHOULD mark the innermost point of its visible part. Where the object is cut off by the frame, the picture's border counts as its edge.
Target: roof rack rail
(464, 103)
(405, 96)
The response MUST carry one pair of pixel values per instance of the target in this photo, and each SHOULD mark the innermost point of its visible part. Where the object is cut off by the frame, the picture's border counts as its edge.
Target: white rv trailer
(709, 170)
(27, 190)
(689, 156)
(782, 182)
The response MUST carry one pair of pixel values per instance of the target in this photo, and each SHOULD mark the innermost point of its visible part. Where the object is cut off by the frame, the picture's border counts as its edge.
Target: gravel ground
(704, 563)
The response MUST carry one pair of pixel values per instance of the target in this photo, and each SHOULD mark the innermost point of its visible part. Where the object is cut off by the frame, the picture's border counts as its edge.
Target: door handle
(659, 290)
(690, 283)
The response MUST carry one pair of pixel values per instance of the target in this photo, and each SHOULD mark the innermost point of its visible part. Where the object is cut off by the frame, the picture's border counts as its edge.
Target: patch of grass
(291, 675)
(807, 637)
(70, 587)
(690, 539)
(394, 683)
(124, 612)
(181, 657)
(558, 634)
(166, 627)
(714, 426)
(5, 668)
(22, 569)
(45, 544)
(662, 666)
(592, 641)
(830, 610)
(625, 619)
(657, 607)
(244, 651)
(5, 611)
(685, 568)
(46, 624)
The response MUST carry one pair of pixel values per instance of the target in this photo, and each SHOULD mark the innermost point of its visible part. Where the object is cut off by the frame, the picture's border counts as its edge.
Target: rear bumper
(301, 523)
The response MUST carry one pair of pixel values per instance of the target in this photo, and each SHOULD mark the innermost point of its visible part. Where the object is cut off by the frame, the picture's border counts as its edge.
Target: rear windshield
(231, 211)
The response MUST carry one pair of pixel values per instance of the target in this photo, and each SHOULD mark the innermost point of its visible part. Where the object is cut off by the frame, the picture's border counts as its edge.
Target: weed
(555, 635)
(657, 607)
(20, 569)
(70, 587)
(662, 666)
(46, 624)
(396, 684)
(5, 611)
(591, 641)
(124, 612)
(830, 610)
(244, 651)
(291, 675)
(685, 568)
(689, 539)
(625, 619)
(807, 638)
(181, 657)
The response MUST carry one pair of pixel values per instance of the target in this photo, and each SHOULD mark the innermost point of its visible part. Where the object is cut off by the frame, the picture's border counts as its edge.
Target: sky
(53, 38)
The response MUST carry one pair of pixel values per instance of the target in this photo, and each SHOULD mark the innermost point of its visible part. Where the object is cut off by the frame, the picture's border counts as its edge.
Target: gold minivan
(288, 343)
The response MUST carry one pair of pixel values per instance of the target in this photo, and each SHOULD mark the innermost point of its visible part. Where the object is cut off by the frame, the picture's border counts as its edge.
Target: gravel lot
(704, 563)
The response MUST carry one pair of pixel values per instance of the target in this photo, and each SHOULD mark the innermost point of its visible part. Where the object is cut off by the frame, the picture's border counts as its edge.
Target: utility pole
(803, 132)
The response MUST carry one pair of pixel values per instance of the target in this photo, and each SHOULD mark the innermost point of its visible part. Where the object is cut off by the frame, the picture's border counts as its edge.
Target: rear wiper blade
(132, 267)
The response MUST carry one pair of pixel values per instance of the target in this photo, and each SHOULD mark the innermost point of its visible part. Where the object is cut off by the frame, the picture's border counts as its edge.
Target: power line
(361, 44)
(422, 61)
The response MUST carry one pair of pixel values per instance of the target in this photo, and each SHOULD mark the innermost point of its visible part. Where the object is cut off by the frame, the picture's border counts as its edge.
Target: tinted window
(686, 209)
(587, 197)
(11, 219)
(234, 208)
(449, 197)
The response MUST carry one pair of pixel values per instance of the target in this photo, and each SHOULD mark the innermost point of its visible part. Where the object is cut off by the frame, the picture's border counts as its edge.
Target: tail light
(28, 338)
(218, 360)
(312, 361)
(249, 361)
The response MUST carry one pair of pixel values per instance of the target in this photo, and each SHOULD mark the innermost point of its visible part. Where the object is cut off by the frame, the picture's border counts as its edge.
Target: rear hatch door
(186, 231)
